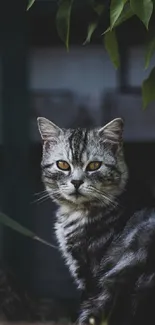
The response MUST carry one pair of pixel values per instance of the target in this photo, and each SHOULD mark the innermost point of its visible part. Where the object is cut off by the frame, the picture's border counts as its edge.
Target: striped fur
(107, 245)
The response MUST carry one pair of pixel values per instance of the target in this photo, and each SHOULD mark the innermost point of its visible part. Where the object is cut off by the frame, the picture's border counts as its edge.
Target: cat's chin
(81, 201)
(76, 198)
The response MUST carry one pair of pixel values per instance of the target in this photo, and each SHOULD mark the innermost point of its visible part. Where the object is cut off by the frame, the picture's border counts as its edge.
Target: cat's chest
(72, 239)
(84, 238)
(70, 235)
(82, 243)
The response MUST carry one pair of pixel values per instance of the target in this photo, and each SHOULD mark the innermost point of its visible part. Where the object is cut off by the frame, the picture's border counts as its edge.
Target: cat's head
(83, 167)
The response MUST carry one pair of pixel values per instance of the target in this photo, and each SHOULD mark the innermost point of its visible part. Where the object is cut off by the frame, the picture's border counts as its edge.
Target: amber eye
(61, 164)
(94, 165)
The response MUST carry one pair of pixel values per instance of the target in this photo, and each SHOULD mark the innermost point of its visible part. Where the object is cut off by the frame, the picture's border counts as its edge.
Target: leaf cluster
(120, 11)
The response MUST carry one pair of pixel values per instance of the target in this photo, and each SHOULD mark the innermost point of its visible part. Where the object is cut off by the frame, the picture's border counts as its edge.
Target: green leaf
(30, 3)
(149, 52)
(104, 323)
(148, 89)
(116, 9)
(143, 9)
(97, 7)
(126, 14)
(111, 45)
(91, 29)
(63, 20)
(9, 222)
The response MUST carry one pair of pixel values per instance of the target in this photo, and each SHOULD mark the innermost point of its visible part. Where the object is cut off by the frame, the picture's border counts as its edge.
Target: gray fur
(79, 147)
(101, 241)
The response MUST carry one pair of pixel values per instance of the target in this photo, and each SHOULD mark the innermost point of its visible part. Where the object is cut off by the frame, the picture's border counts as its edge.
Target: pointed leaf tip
(126, 14)
(111, 46)
(143, 9)
(148, 89)
(30, 4)
(14, 225)
(63, 20)
(91, 29)
(116, 9)
(149, 52)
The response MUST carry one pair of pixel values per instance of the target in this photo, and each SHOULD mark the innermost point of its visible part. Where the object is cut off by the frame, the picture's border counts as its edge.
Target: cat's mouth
(76, 194)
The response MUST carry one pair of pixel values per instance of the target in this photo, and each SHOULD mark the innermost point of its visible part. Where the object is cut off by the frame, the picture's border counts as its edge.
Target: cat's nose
(77, 183)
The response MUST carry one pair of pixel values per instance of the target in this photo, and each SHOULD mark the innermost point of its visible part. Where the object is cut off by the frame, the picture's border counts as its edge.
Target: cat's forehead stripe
(84, 143)
(78, 142)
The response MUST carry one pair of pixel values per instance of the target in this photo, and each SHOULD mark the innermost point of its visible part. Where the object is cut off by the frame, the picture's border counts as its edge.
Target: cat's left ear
(48, 130)
(113, 131)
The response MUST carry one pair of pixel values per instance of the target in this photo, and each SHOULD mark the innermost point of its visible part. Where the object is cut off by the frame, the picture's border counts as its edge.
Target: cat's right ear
(112, 132)
(48, 130)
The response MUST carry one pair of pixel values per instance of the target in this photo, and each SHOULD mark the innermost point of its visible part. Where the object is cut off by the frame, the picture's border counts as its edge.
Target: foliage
(148, 89)
(14, 225)
(63, 20)
(120, 11)
(30, 3)
(111, 46)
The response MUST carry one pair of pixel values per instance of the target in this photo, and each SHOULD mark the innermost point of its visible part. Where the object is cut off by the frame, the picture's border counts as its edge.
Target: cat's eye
(63, 165)
(93, 165)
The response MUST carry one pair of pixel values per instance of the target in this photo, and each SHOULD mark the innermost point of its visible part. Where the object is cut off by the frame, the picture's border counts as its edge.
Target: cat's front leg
(93, 311)
(88, 314)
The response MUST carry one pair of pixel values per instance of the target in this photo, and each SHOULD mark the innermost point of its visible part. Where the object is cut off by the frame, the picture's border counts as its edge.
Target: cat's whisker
(104, 196)
(113, 202)
(45, 196)
(41, 199)
(39, 193)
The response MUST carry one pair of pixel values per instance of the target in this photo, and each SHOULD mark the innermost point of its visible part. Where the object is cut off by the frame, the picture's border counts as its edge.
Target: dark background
(81, 88)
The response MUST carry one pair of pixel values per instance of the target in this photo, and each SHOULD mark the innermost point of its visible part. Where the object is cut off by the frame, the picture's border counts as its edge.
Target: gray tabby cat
(108, 246)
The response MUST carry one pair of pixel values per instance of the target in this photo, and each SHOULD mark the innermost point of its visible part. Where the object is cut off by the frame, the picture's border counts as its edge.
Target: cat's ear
(47, 129)
(113, 131)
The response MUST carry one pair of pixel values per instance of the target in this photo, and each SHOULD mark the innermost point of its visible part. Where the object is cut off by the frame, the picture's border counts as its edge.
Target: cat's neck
(108, 216)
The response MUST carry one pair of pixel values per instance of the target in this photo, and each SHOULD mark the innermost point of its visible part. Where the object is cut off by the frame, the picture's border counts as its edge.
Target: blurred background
(38, 77)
